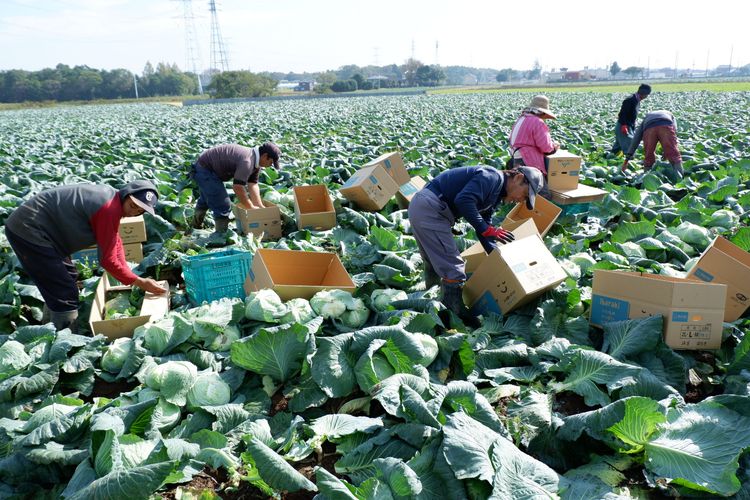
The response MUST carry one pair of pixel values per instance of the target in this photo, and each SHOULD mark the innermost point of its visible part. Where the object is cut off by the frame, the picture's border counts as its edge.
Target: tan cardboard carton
(544, 215)
(153, 308)
(724, 262)
(313, 208)
(264, 221)
(581, 194)
(292, 274)
(693, 311)
(394, 165)
(133, 229)
(133, 253)
(475, 254)
(511, 276)
(563, 169)
(407, 191)
(370, 188)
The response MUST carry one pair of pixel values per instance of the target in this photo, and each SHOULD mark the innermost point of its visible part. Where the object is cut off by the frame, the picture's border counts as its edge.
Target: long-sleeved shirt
(531, 137)
(73, 217)
(232, 161)
(629, 111)
(472, 193)
(657, 118)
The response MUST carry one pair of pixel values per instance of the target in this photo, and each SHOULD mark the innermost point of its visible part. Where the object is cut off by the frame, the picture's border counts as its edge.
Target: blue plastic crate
(215, 275)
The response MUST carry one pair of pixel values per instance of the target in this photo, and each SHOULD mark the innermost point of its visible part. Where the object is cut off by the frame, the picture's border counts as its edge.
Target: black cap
(146, 199)
(273, 152)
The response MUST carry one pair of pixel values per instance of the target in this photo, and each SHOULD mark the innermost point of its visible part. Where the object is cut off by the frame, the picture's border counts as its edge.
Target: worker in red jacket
(47, 228)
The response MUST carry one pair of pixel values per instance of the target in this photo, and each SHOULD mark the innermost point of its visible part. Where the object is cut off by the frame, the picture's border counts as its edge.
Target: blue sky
(297, 35)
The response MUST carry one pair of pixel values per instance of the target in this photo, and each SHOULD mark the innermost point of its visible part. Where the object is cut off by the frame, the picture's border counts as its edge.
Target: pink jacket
(531, 135)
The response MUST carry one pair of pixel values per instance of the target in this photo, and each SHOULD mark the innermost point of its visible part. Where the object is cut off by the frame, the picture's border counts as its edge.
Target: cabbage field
(377, 394)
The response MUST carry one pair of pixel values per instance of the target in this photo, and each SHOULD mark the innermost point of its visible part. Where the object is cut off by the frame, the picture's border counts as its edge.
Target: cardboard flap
(544, 214)
(312, 199)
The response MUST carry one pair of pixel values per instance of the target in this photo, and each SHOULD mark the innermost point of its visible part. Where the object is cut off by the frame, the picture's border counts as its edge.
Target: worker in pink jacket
(530, 139)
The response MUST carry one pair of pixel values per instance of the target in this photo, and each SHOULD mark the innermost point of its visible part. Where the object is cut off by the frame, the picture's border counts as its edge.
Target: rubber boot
(430, 276)
(679, 171)
(45, 314)
(453, 300)
(221, 224)
(199, 217)
(65, 319)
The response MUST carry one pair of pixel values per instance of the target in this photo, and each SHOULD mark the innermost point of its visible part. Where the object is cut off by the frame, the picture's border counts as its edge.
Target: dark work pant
(54, 274)
(213, 193)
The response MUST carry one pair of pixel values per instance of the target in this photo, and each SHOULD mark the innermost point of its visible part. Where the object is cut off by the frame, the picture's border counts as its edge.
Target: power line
(218, 51)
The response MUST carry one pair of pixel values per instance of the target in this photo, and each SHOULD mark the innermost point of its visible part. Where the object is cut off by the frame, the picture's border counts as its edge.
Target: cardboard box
(292, 273)
(475, 254)
(407, 191)
(511, 276)
(133, 253)
(264, 222)
(133, 229)
(370, 188)
(693, 311)
(726, 263)
(544, 215)
(563, 170)
(313, 208)
(394, 165)
(154, 307)
(581, 194)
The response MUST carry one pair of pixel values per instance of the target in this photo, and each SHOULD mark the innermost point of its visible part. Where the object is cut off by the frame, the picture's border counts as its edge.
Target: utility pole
(135, 85)
(707, 54)
(412, 48)
(676, 54)
(375, 56)
(436, 53)
(219, 59)
(731, 53)
(192, 53)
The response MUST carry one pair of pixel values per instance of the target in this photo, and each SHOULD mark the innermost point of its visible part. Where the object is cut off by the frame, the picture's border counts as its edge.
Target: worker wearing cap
(530, 138)
(223, 163)
(472, 193)
(657, 127)
(50, 226)
(625, 126)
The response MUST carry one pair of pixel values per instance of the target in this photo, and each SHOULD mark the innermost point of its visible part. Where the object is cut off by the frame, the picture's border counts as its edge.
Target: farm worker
(625, 126)
(472, 193)
(530, 138)
(657, 127)
(50, 226)
(239, 164)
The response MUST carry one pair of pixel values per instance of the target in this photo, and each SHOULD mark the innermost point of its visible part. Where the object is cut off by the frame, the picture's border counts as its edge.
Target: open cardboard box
(724, 262)
(370, 188)
(511, 276)
(264, 221)
(563, 169)
(154, 307)
(313, 208)
(133, 229)
(394, 165)
(693, 311)
(544, 215)
(475, 254)
(292, 273)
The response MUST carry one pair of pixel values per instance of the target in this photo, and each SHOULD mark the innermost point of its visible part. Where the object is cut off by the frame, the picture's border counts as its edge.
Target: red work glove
(624, 129)
(499, 234)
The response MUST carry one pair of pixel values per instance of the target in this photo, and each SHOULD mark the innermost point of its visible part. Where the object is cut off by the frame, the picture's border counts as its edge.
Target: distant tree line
(65, 83)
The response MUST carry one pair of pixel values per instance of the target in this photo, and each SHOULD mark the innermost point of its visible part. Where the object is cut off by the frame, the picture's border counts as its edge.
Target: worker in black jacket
(626, 119)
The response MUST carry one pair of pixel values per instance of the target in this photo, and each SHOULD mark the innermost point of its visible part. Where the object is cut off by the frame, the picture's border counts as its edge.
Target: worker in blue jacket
(625, 126)
(472, 193)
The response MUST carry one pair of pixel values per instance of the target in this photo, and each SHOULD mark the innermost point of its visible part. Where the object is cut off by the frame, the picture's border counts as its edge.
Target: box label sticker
(387, 164)
(253, 224)
(519, 268)
(408, 189)
(351, 181)
(607, 309)
(373, 179)
(573, 173)
(486, 304)
(703, 275)
(680, 316)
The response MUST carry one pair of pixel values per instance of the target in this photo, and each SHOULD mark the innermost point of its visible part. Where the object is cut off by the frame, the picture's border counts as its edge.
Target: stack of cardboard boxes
(132, 234)
(563, 173)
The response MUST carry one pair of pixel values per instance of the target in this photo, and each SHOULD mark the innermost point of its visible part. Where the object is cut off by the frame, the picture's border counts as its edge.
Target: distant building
(304, 86)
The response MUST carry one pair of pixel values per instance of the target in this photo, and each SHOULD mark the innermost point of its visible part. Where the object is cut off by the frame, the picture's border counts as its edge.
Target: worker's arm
(240, 190)
(255, 198)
